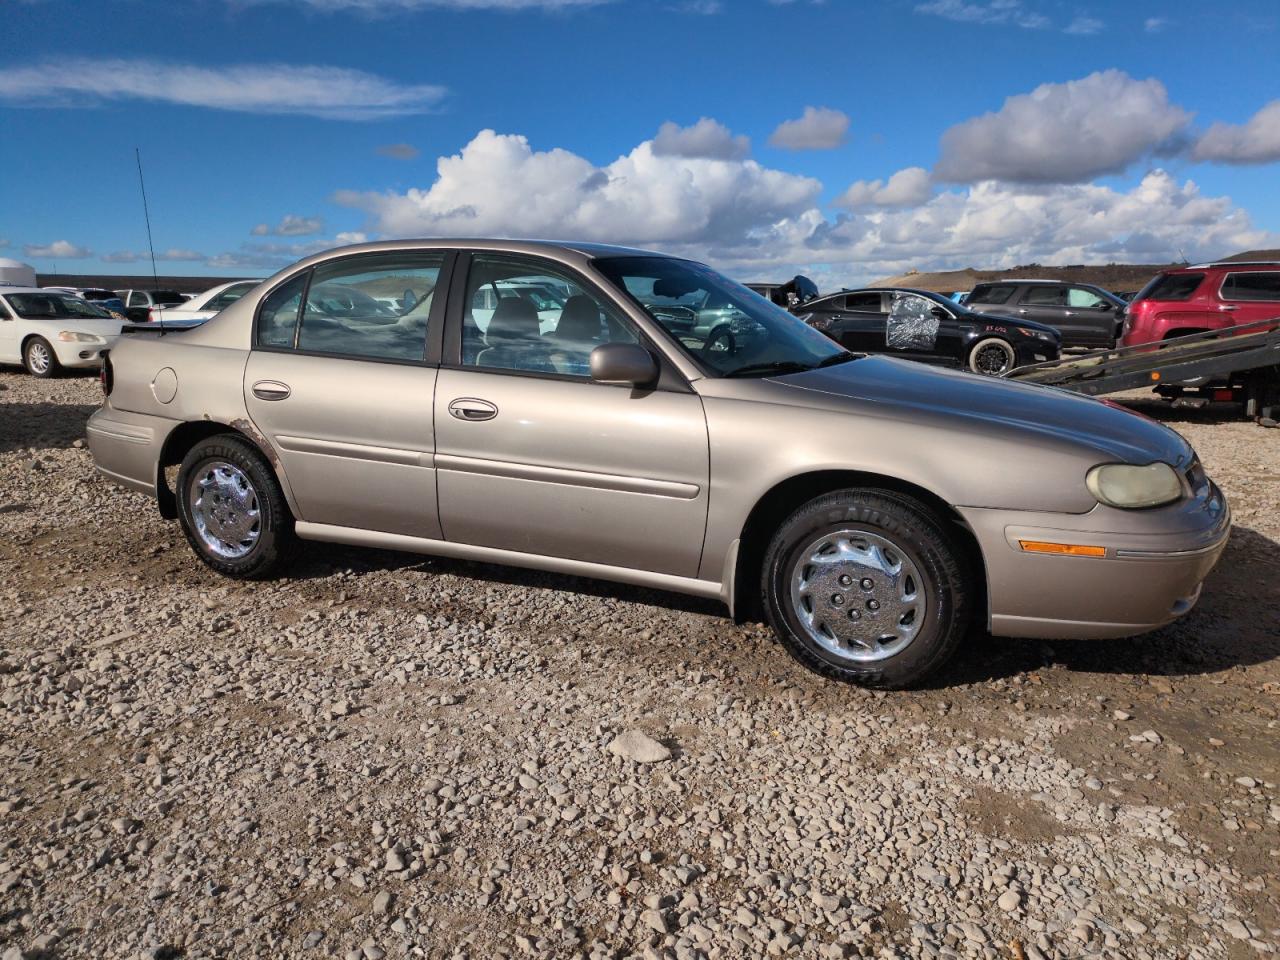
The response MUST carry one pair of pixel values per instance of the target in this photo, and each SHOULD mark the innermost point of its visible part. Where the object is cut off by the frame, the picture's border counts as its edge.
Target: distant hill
(1116, 277)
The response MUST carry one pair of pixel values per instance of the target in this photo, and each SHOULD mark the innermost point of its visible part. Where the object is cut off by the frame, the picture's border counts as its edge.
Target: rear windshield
(1171, 286)
(167, 296)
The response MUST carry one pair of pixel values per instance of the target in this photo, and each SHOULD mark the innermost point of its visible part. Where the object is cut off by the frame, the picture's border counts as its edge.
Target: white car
(203, 305)
(47, 331)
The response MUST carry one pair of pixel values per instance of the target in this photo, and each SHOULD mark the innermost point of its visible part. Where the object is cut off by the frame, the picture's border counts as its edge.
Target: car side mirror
(623, 363)
(940, 313)
(1105, 305)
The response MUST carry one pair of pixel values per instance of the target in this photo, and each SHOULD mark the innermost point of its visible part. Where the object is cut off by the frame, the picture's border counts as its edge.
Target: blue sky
(1018, 130)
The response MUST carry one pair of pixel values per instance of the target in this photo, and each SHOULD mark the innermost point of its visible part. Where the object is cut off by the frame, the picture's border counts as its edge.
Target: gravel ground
(386, 755)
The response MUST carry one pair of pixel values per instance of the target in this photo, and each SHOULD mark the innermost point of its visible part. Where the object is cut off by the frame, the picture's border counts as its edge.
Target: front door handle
(469, 408)
(1226, 307)
(271, 390)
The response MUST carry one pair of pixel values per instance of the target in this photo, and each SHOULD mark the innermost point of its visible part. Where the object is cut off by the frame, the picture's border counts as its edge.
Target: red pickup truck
(1206, 297)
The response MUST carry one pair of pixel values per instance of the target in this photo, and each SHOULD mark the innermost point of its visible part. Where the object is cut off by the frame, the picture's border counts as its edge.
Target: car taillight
(105, 376)
(151, 315)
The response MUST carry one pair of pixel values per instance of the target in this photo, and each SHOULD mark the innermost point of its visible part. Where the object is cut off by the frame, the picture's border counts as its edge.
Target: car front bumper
(75, 354)
(1152, 571)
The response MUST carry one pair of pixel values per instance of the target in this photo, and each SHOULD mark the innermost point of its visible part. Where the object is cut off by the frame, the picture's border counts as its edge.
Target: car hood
(892, 387)
(104, 327)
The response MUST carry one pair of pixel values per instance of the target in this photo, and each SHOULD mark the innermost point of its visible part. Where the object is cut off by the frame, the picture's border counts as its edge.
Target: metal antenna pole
(147, 214)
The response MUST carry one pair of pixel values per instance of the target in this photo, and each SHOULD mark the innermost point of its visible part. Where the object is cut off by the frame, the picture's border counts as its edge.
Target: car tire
(39, 359)
(232, 508)
(894, 602)
(985, 354)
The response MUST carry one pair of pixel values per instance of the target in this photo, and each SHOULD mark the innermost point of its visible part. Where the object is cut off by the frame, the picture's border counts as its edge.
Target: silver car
(873, 509)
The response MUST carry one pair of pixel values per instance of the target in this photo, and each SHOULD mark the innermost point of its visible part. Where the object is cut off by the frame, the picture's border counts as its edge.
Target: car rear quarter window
(1172, 286)
(1262, 285)
(991, 293)
(278, 313)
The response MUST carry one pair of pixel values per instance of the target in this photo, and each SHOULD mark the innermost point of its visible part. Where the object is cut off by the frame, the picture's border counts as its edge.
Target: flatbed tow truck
(1239, 364)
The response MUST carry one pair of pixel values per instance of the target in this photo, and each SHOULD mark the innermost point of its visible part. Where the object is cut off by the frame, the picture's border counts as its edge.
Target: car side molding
(465, 551)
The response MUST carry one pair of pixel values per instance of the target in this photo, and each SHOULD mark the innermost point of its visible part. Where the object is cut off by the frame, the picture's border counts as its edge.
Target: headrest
(514, 319)
(579, 320)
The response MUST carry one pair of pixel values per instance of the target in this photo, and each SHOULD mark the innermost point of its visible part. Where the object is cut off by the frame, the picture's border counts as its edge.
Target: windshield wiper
(773, 366)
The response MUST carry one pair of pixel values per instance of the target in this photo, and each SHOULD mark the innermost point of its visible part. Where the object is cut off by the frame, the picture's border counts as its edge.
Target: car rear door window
(138, 299)
(375, 306)
(863, 302)
(1172, 286)
(278, 313)
(991, 293)
(1045, 296)
(1252, 286)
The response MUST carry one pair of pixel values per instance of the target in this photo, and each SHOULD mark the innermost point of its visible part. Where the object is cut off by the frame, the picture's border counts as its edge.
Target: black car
(930, 327)
(1085, 315)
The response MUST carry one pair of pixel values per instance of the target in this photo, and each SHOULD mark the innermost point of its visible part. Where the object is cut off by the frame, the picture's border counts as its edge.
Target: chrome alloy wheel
(857, 595)
(38, 357)
(224, 508)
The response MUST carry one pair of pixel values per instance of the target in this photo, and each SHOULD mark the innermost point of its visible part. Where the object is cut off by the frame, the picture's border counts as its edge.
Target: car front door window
(533, 318)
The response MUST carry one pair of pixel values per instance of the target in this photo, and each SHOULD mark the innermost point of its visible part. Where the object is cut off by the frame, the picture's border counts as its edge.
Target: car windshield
(726, 327)
(53, 306)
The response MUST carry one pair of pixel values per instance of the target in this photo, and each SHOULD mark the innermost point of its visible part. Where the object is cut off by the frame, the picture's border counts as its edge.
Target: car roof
(1229, 264)
(55, 293)
(915, 290)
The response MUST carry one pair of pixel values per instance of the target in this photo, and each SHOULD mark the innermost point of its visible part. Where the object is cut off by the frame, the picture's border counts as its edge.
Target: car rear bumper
(1151, 573)
(126, 446)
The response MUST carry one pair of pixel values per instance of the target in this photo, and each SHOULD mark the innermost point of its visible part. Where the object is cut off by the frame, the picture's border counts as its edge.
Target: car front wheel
(232, 509)
(992, 357)
(39, 359)
(867, 587)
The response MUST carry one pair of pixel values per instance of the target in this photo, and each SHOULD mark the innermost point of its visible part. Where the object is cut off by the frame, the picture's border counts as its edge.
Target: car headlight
(1131, 488)
(75, 336)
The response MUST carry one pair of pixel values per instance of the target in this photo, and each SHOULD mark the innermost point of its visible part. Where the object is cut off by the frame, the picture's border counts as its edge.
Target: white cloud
(1083, 26)
(330, 92)
(996, 11)
(707, 138)
(1064, 132)
(351, 236)
(818, 128)
(909, 187)
(399, 151)
(760, 223)
(1154, 24)
(291, 225)
(499, 185)
(121, 256)
(1257, 141)
(58, 250)
(180, 254)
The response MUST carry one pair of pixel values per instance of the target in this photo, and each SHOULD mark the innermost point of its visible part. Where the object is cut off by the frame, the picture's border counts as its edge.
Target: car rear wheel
(39, 359)
(232, 509)
(992, 357)
(867, 587)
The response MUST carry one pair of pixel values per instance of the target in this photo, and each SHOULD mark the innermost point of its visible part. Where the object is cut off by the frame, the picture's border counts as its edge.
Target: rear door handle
(1227, 306)
(271, 390)
(469, 408)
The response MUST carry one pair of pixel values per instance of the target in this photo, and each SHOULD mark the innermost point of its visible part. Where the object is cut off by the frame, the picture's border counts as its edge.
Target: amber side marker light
(1062, 549)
